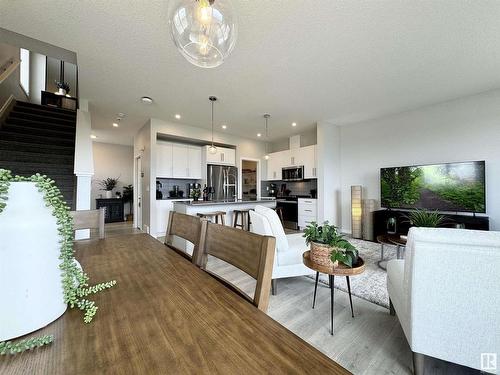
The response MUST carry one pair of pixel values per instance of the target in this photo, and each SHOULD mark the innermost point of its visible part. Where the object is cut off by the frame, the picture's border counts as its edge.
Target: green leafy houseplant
(196, 194)
(341, 249)
(74, 280)
(108, 184)
(62, 85)
(426, 219)
(128, 196)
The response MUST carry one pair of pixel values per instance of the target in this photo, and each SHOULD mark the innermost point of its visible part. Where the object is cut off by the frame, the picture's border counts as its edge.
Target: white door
(180, 168)
(138, 187)
(194, 162)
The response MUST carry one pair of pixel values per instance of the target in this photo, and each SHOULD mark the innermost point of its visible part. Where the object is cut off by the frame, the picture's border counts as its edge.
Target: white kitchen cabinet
(307, 211)
(303, 156)
(194, 162)
(164, 159)
(307, 158)
(180, 161)
(275, 163)
(223, 156)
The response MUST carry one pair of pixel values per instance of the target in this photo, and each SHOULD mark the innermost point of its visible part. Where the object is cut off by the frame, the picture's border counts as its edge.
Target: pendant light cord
(212, 123)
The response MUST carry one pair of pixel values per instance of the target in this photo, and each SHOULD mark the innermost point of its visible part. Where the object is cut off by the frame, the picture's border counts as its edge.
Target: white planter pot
(31, 294)
(109, 194)
(61, 92)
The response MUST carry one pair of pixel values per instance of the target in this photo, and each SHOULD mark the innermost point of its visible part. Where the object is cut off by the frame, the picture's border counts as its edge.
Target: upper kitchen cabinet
(303, 156)
(224, 156)
(276, 161)
(164, 159)
(307, 158)
(175, 160)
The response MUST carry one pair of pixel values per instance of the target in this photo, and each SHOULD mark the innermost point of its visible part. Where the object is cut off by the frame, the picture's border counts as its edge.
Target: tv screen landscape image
(458, 187)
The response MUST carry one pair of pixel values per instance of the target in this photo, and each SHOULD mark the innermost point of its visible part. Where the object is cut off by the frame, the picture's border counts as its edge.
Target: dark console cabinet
(114, 209)
(380, 218)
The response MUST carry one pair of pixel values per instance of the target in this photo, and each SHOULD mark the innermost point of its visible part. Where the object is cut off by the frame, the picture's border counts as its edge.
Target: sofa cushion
(260, 224)
(276, 227)
(296, 247)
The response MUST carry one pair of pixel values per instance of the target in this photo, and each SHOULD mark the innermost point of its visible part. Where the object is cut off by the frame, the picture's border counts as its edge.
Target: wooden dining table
(164, 316)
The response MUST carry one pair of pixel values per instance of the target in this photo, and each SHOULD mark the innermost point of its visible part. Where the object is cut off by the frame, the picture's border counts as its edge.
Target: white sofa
(289, 248)
(446, 294)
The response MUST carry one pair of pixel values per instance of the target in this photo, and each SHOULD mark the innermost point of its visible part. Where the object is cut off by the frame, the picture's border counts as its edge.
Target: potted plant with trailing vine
(74, 282)
(328, 246)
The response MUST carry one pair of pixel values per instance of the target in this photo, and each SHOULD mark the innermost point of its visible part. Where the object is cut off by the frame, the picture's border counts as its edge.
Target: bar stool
(245, 219)
(211, 215)
(279, 211)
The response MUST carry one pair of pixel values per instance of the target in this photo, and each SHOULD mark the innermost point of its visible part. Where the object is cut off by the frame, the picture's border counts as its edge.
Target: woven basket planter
(320, 254)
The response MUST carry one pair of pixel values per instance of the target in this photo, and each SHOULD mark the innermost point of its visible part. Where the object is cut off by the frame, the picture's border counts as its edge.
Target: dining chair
(249, 252)
(89, 219)
(185, 227)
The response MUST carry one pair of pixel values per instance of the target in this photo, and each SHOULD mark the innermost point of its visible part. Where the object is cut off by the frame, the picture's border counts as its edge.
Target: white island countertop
(199, 207)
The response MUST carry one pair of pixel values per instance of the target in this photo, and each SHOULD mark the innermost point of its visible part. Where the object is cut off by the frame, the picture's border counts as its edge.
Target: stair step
(30, 168)
(63, 111)
(13, 115)
(47, 149)
(45, 112)
(44, 132)
(23, 156)
(40, 125)
(35, 139)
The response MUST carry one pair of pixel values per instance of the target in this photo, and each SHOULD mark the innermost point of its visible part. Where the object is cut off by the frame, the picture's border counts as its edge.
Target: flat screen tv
(458, 187)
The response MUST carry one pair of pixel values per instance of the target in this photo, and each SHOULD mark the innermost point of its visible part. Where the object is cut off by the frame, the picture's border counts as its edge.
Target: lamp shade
(204, 31)
(356, 211)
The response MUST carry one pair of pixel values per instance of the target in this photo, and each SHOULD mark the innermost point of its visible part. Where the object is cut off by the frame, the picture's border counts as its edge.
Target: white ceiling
(302, 61)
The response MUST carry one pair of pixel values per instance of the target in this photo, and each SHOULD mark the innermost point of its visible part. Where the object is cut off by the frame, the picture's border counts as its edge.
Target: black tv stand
(380, 218)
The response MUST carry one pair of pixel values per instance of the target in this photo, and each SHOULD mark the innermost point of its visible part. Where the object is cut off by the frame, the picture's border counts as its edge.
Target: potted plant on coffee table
(328, 246)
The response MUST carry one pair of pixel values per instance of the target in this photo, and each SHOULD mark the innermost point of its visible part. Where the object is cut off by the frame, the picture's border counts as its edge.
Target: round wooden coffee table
(340, 270)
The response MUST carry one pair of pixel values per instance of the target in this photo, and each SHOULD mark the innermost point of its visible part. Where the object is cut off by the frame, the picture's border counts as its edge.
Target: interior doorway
(249, 179)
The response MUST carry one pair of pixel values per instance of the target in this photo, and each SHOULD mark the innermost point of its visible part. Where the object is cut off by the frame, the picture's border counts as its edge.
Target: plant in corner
(128, 196)
(63, 87)
(329, 246)
(425, 219)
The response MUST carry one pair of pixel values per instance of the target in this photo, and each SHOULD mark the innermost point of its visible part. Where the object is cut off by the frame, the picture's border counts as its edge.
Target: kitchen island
(199, 207)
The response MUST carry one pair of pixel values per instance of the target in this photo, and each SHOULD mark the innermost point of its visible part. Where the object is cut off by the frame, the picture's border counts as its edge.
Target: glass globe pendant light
(204, 31)
(212, 149)
(266, 116)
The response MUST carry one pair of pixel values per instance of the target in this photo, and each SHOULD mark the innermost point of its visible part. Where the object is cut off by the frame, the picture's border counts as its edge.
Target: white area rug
(371, 285)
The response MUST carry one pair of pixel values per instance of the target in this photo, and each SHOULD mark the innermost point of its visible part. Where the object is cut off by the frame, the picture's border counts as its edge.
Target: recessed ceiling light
(258, 134)
(294, 124)
(147, 100)
(178, 117)
(224, 126)
(93, 136)
(115, 124)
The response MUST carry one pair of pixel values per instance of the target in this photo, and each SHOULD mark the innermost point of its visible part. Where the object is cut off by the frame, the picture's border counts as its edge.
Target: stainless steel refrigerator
(224, 181)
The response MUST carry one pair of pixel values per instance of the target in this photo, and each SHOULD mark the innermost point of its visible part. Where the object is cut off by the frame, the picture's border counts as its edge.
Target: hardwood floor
(371, 343)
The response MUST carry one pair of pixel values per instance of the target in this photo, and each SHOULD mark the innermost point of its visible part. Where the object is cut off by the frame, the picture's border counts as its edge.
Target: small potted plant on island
(328, 247)
(196, 194)
(108, 185)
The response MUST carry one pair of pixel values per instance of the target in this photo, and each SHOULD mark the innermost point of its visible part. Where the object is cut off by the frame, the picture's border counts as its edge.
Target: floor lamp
(356, 211)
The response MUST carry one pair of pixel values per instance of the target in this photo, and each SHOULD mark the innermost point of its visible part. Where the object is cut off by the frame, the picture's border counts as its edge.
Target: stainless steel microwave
(292, 173)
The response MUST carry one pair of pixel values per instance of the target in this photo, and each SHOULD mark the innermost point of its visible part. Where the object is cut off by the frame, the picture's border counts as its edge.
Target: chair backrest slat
(250, 252)
(89, 219)
(184, 226)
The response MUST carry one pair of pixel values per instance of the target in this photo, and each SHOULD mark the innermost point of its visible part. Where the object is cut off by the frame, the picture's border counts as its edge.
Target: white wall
(37, 76)
(110, 160)
(11, 85)
(465, 129)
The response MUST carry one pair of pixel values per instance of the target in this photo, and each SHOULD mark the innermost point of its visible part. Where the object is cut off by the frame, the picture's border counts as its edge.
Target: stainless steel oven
(292, 173)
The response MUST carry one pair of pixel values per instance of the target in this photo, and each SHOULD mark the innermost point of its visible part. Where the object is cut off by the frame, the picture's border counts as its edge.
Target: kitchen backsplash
(295, 187)
(167, 184)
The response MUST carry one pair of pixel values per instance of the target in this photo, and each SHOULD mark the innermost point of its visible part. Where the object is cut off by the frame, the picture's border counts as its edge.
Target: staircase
(40, 139)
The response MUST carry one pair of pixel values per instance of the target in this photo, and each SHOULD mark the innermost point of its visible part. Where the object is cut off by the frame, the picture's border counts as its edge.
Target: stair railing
(8, 68)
